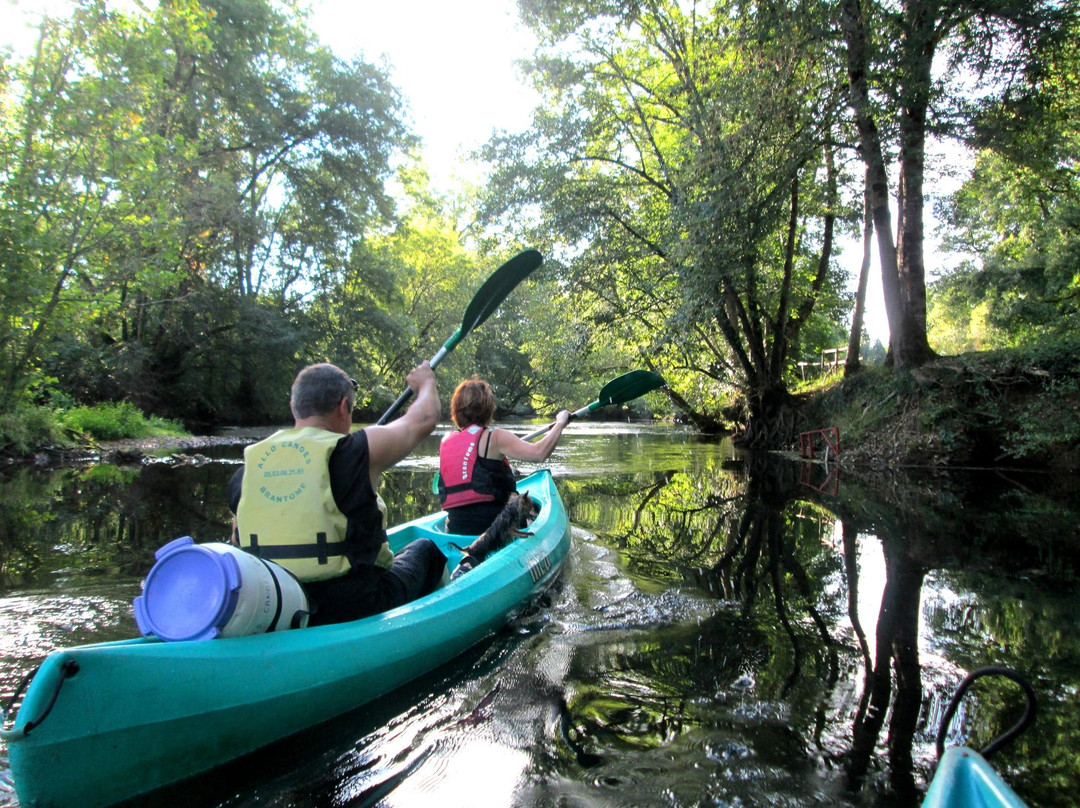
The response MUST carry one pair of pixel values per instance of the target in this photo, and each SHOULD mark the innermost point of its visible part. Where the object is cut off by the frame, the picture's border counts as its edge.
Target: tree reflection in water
(762, 542)
(897, 643)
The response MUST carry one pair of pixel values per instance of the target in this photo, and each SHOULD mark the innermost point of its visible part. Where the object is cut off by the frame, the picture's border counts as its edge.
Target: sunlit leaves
(162, 164)
(1019, 217)
(661, 168)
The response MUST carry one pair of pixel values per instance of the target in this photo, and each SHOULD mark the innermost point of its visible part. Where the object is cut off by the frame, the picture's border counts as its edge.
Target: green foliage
(25, 427)
(1050, 421)
(684, 173)
(1024, 286)
(1019, 217)
(176, 181)
(115, 421)
(1008, 405)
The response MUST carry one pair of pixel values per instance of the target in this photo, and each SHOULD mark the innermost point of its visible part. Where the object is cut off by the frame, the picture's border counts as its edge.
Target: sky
(455, 65)
(453, 61)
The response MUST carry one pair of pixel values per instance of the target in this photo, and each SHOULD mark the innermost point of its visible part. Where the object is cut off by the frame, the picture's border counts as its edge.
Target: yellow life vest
(287, 512)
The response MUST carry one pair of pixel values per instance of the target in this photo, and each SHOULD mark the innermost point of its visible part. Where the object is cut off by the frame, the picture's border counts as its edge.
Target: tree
(69, 139)
(169, 173)
(684, 165)
(1018, 216)
(289, 150)
(897, 97)
(401, 296)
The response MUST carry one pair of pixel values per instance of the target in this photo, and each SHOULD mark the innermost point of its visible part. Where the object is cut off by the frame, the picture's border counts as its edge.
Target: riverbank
(1018, 409)
(998, 409)
(174, 449)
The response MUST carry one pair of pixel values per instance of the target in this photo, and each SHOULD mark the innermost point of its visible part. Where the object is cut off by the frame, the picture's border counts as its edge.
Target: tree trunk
(854, 362)
(902, 276)
(870, 146)
(912, 348)
(771, 424)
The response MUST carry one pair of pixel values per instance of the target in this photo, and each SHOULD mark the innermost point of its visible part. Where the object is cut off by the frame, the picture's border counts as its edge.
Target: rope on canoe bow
(1003, 740)
(68, 669)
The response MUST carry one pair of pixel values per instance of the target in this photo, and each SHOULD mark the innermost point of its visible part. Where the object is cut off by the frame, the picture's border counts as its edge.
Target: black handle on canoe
(1003, 740)
(67, 669)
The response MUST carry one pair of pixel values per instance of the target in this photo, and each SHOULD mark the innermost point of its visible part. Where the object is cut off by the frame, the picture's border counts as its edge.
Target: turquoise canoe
(965, 780)
(103, 723)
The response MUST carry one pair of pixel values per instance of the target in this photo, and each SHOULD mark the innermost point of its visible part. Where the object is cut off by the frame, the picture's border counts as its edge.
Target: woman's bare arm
(510, 445)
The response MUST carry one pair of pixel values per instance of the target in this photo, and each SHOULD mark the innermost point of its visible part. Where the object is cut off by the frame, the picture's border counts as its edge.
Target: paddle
(484, 302)
(618, 391)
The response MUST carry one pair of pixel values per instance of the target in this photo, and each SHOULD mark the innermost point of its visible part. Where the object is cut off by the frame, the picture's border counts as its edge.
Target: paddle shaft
(573, 415)
(484, 302)
(408, 392)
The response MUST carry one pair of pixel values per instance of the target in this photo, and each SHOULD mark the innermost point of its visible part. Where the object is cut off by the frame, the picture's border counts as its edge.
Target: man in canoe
(475, 478)
(307, 498)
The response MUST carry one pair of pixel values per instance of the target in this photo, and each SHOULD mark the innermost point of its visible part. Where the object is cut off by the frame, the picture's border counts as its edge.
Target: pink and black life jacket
(465, 477)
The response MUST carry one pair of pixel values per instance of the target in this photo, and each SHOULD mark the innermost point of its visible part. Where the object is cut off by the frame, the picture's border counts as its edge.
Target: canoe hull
(141, 714)
(965, 780)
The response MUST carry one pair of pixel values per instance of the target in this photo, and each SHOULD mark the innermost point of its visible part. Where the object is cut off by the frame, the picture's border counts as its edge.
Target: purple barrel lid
(190, 593)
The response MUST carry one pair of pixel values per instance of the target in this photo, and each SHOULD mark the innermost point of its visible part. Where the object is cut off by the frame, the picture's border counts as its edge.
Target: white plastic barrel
(202, 591)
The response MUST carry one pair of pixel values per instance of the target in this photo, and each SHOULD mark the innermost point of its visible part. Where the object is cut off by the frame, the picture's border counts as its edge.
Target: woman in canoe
(475, 478)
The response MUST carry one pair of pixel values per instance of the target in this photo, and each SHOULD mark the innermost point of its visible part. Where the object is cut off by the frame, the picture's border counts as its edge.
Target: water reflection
(767, 545)
(728, 631)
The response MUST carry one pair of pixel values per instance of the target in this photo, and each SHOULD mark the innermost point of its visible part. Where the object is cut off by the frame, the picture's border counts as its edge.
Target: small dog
(520, 510)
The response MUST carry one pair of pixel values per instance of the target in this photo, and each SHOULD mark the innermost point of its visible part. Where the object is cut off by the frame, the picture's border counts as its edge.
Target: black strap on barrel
(277, 599)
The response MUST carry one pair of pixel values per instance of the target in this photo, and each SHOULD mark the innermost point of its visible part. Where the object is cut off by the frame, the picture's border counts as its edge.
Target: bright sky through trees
(453, 61)
(455, 65)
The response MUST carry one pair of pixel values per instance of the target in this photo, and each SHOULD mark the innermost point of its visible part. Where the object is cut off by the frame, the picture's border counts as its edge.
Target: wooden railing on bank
(830, 361)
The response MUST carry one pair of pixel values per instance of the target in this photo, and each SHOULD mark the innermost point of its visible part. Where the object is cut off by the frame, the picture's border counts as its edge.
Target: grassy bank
(1018, 408)
(29, 429)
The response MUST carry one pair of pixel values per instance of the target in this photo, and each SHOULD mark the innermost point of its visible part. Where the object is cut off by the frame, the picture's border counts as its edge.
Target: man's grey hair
(318, 389)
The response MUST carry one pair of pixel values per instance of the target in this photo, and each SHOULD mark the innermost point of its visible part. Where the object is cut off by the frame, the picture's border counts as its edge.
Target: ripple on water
(7, 786)
(36, 625)
(596, 595)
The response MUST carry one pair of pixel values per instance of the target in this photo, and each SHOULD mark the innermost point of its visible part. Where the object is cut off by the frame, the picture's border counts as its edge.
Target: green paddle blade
(497, 287)
(629, 386)
(618, 391)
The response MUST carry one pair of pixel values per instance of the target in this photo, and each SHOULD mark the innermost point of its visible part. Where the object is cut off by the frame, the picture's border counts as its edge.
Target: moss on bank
(1017, 408)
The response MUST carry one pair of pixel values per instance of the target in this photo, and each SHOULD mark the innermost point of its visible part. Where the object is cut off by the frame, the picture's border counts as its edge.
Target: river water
(728, 631)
